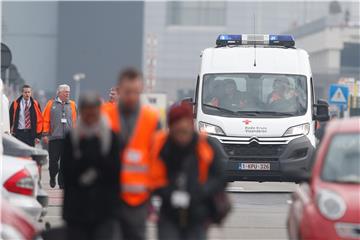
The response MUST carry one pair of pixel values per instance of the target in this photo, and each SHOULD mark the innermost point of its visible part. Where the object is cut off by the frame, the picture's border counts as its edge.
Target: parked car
(15, 224)
(4, 110)
(327, 205)
(19, 178)
(14, 147)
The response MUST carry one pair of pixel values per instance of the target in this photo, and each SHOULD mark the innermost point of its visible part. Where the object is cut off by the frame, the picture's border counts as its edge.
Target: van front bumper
(293, 157)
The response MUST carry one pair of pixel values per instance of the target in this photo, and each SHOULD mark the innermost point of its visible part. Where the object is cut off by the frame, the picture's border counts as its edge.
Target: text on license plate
(255, 166)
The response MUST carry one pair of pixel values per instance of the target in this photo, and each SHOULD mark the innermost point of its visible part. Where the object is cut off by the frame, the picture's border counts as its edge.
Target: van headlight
(211, 129)
(302, 129)
(331, 204)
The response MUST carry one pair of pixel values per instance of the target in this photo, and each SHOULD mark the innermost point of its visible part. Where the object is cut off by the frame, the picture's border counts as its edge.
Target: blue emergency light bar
(255, 39)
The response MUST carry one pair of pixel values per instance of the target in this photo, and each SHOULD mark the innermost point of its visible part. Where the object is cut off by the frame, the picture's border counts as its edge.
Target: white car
(19, 178)
(15, 224)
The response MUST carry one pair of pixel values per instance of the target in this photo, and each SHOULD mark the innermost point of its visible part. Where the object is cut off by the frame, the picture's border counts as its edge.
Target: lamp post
(77, 78)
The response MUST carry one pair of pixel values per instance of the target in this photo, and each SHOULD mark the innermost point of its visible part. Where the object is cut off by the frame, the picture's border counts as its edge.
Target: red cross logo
(246, 121)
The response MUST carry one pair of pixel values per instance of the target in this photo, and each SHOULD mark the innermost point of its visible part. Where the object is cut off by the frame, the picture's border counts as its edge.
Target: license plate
(255, 166)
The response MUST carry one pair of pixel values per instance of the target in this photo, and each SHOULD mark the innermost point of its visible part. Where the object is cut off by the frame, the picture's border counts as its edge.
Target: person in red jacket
(25, 118)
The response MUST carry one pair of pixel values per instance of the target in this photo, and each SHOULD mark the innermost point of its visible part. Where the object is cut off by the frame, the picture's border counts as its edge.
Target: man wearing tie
(26, 118)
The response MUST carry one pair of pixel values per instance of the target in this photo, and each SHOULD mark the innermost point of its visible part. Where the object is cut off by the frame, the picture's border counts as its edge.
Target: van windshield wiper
(266, 113)
(220, 109)
(279, 113)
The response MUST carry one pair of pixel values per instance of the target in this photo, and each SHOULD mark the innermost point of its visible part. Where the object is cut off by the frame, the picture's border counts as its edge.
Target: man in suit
(26, 118)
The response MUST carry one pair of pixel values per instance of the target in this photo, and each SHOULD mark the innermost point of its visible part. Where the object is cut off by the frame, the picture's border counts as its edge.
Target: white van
(255, 94)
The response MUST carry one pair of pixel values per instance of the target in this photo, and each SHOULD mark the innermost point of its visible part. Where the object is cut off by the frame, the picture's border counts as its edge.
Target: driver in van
(230, 99)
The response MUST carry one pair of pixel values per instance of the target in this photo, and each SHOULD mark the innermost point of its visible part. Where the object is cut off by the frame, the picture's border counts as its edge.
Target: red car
(327, 205)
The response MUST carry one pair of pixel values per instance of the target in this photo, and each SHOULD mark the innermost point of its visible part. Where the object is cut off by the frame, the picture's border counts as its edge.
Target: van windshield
(254, 94)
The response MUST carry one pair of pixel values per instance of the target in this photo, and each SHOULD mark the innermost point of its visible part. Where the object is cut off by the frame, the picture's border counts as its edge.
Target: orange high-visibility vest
(134, 175)
(159, 177)
(39, 118)
(47, 117)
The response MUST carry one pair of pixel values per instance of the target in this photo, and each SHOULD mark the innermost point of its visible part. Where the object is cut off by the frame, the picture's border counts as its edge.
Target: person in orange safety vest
(25, 118)
(187, 172)
(136, 125)
(60, 116)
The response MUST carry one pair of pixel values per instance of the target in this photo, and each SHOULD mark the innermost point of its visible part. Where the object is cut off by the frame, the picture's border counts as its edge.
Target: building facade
(334, 48)
(175, 33)
(51, 41)
(30, 31)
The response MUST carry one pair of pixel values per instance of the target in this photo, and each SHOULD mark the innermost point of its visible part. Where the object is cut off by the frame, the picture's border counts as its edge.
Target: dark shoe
(60, 181)
(52, 182)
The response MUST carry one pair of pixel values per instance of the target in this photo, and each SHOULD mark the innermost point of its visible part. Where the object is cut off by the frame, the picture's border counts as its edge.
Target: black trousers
(26, 136)
(55, 148)
(133, 221)
(167, 229)
(106, 230)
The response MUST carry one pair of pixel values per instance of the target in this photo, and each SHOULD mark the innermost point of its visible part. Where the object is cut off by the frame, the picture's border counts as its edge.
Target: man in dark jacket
(187, 171)
(90, 168)
(26, 118)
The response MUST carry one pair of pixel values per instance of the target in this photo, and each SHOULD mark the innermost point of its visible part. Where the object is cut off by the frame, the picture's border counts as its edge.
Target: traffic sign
(338, 94)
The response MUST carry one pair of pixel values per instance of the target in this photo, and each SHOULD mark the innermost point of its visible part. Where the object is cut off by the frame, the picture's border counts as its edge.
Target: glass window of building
(196, 13)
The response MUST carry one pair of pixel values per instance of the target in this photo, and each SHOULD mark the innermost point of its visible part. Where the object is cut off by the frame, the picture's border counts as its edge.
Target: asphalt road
(259, 211)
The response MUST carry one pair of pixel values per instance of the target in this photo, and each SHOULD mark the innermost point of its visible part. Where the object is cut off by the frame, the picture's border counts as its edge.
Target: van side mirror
(322, 111)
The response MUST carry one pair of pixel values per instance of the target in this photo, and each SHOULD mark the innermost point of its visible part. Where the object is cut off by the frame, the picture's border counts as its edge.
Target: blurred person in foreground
(59, 117)
(90, 168)
(187, 171)
(26, 119)
(136, 125)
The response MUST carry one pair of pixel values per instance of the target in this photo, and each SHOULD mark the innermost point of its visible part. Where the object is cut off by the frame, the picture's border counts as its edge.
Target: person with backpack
(187, 175)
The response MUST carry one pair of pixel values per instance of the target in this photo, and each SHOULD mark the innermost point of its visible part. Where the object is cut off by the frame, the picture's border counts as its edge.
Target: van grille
(254, 150)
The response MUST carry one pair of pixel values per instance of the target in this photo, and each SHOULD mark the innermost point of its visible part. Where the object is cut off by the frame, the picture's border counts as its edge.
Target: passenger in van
(283, 98)
(280, 88)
